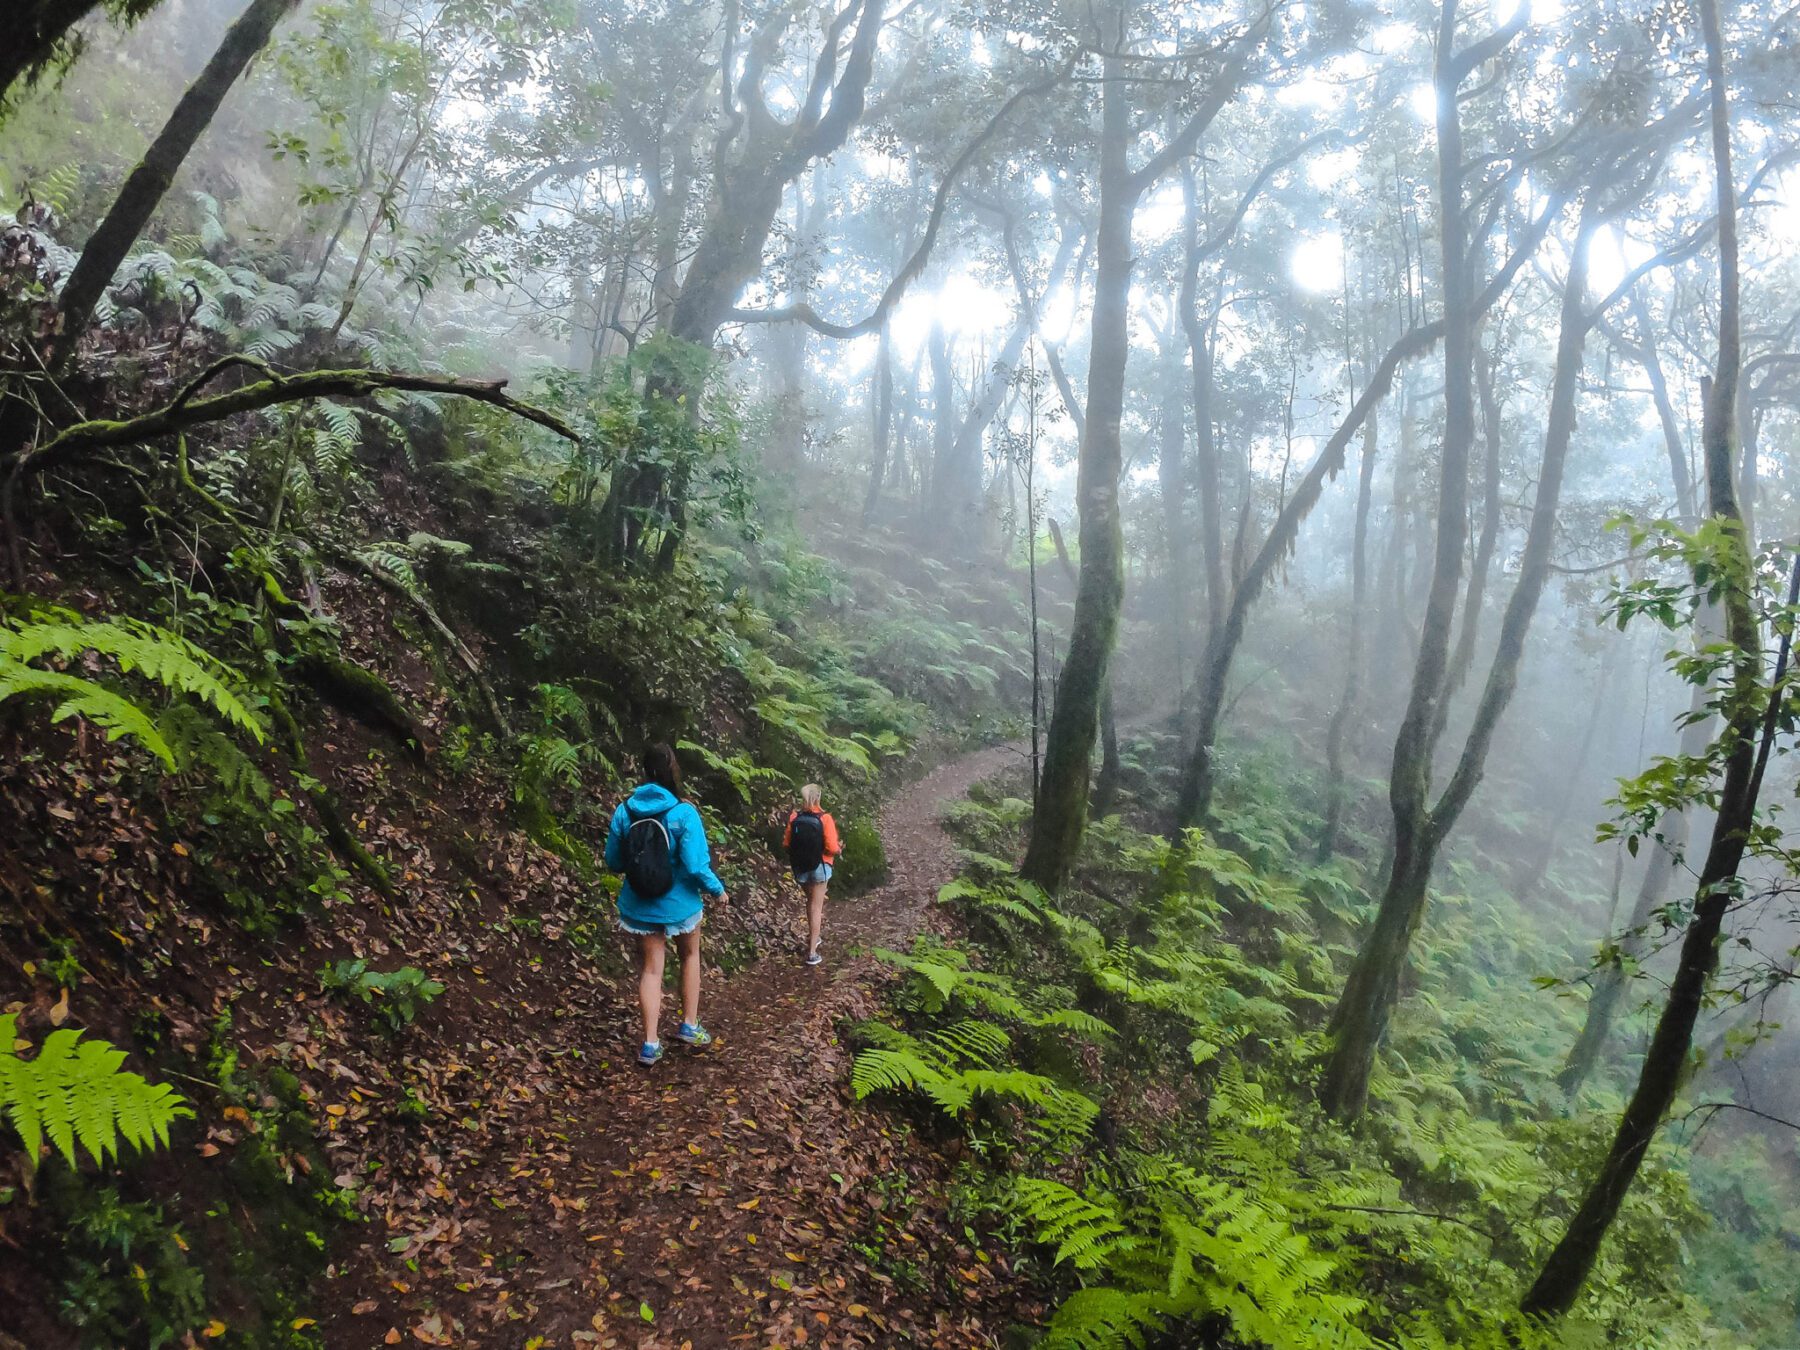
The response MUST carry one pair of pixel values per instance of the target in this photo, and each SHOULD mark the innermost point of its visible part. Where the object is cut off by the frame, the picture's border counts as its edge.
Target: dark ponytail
(661, 768)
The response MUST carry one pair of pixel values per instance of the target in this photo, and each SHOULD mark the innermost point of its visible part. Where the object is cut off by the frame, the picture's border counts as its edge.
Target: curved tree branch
(100, 433)
(910, 270)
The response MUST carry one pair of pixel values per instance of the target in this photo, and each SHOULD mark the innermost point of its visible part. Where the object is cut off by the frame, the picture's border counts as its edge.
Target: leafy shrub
(74, 1092)
(398, 996)
(125, 1277)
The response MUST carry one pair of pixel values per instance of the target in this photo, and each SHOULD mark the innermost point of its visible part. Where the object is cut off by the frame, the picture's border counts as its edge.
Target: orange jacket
(832, 847)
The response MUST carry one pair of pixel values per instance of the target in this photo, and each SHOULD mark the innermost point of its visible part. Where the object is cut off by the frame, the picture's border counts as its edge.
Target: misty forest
(1260, 542)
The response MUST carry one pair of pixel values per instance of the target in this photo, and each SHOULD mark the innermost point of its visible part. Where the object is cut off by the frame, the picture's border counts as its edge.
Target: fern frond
(113, 713)
(74, 1092)
(1105, 1319)
(155, 653)
(1085, 1234)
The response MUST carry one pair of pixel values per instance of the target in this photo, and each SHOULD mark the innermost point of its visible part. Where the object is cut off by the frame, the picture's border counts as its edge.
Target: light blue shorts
(819, 874)
(666, 930)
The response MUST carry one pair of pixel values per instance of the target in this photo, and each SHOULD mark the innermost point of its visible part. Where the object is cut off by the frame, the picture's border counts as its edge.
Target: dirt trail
(711, 1183)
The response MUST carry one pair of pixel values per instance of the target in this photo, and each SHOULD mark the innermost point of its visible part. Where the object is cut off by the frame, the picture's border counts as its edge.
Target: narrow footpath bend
(726, 1196)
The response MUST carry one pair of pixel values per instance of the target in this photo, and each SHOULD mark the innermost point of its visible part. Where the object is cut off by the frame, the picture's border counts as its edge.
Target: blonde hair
(809, 796)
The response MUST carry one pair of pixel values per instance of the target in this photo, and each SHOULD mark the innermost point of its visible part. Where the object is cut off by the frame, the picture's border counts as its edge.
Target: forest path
(727, 1192)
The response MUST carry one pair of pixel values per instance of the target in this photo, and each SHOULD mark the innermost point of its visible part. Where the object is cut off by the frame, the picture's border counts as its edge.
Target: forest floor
(726, 1197)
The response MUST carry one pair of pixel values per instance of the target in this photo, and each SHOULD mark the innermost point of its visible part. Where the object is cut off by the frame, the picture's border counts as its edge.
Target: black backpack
(648, 855)
(806, 842)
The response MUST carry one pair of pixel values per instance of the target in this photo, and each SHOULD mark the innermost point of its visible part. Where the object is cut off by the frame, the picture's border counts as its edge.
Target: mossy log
(359, 692)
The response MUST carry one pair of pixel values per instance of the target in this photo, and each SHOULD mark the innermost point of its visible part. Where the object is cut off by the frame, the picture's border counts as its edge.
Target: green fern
(1086, 1233)
(73, 1092)
(153, 653)
(1106, 1319)
(739, 770)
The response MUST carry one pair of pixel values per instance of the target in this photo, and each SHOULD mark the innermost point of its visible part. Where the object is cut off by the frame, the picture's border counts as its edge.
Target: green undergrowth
(297, 647)
(1130, 1069)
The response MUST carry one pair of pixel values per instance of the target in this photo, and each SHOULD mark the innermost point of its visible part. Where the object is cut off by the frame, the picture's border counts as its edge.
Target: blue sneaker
(692, 1033)
(650, 1053)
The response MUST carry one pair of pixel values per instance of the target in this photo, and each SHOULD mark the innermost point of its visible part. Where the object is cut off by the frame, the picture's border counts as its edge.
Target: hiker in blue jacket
(656, 839)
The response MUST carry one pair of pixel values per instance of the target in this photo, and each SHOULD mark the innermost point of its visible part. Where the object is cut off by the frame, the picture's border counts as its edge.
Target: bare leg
(687, 945)
(815, 914)
(651, 951)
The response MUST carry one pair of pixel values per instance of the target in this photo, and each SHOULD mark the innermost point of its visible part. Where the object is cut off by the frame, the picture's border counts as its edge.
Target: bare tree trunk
(1172, 480)
(1482, 563)
(943, 414)
(1566, 1269)
(959, 508)
(1195, 796)
(149, 181)
(882, 395)
(1353, 657)
(1206, 453)
(1395, 634)
(1646, 356)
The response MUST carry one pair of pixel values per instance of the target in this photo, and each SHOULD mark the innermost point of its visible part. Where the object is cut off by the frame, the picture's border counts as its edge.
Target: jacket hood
(651, 798)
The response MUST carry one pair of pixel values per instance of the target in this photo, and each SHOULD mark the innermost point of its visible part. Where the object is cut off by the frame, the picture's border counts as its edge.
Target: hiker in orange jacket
(811, 840)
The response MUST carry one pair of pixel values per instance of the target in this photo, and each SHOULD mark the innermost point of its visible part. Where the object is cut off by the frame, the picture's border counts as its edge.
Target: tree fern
(73, 1092)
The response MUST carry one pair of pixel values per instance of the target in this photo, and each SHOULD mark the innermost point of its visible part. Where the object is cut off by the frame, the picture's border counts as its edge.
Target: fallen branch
(187, 411)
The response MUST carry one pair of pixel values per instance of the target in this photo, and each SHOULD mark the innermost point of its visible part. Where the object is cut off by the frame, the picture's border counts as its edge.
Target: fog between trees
(1390, 408)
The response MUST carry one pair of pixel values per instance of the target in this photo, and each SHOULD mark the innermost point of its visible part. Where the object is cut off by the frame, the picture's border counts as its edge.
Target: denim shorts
(819, 874)
(666, 930)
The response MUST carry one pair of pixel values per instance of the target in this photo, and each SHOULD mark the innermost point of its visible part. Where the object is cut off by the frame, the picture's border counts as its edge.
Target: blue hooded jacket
(690, 857)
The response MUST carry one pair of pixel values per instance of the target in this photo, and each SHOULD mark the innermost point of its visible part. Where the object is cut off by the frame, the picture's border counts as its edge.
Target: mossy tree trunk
(1061, 815)
(37, 34)
(1373, 986)
(40, 36)
(149, 181)
(746, 198)
(1062, 803)
(1566, 1269)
